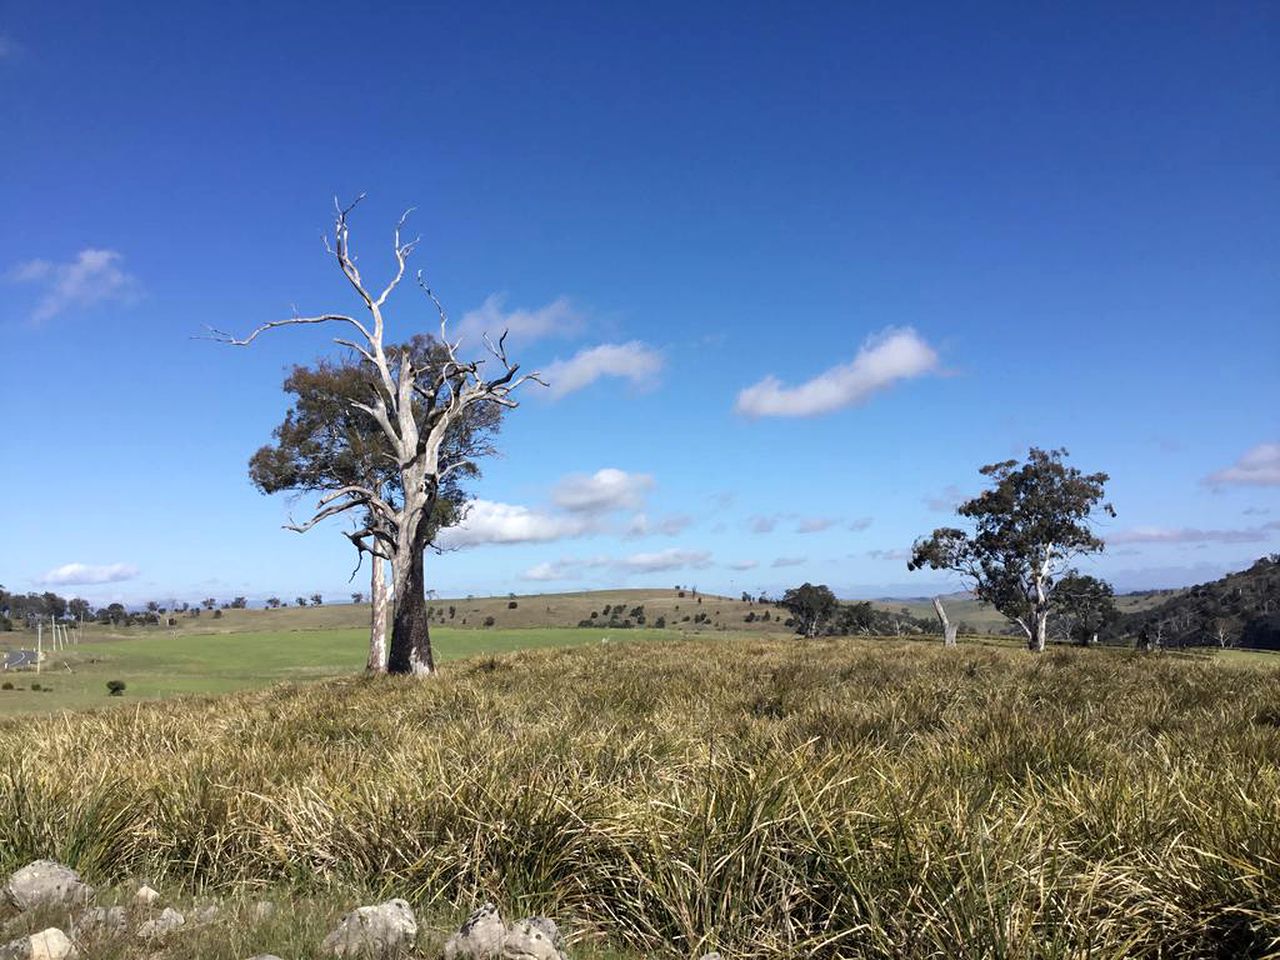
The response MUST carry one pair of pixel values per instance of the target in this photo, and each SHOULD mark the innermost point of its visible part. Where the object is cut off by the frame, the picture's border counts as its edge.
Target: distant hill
(1241, 609)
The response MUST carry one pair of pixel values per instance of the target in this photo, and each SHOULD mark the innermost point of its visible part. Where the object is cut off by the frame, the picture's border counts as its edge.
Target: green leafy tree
(1027, 529)
(1086, 607)
(810, 607)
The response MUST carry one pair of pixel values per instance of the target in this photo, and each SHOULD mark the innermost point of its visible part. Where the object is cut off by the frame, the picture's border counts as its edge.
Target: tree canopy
(811, 607)
(1027, 529)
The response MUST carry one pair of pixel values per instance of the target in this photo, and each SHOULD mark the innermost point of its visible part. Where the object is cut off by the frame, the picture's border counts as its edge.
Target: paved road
(19, 658)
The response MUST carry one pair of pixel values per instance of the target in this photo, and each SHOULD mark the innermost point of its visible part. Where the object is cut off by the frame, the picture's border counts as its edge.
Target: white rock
(46, 883)
(479, 938)
(51, 944)
(533, 938)
(146, 896)
(373, 931)
(205, 915)
(160, 927)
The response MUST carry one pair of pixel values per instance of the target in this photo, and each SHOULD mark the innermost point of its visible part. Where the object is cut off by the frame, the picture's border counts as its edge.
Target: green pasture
(162, 664)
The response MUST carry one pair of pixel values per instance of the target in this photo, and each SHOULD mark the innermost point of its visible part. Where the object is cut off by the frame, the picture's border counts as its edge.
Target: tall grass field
(766, 798)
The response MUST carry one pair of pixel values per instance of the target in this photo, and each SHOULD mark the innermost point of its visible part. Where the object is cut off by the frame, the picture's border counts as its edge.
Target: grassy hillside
(872, 799)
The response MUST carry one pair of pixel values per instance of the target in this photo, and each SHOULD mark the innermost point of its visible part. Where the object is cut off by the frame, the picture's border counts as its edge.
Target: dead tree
(414, 405)
(948, 628)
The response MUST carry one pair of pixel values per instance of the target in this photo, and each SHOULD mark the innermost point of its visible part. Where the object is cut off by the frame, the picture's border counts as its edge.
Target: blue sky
(797, 273)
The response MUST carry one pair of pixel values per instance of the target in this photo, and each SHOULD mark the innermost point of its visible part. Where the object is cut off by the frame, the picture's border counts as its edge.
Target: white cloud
(1193, 535)
(1259, 467)
(789, 561)
(672, 559)
(631, 361)
(490, 522)
(93, 277)
(891, 355)
(542, 572)
(83, 573)
(816, 524)
(889, 554)
(744, 565)
(603, 491)
(763, 524)
(669, 526)
(947, 500)
(857, 526)
(559, 318)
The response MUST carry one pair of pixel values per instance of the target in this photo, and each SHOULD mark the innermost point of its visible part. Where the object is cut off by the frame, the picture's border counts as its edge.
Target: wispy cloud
(1258, 467)
(669, 526)
(75, 574)
(93, 277)
(788, 562)
(744, 565)
(815, 524)
(763, 523)
(947, 500)
(889, 356)
(672, 559)
(559, 318)
(603, 491)
(889, 554)
(632, 361)
(860, 524)
(490, 522)
(1259, 534)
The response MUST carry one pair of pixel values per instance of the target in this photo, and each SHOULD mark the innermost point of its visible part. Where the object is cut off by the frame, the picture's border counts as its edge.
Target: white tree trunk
(948, 628)
(1040, 635)
(378, 616)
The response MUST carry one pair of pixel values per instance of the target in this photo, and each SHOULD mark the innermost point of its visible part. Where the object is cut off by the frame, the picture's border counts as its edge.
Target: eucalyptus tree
(1028, 528)
(1086, 607)
(414, 405)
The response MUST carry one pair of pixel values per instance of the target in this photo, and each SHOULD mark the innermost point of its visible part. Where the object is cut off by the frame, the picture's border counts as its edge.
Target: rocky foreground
(375, 932)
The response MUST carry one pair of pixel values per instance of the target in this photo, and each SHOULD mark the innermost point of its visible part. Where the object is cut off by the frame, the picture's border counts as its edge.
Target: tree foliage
(1027, 529)
(810, 606)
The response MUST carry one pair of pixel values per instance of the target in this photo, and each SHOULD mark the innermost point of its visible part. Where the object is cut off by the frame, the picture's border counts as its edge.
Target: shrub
(489, 621)
(217, 614)
(116, 688)
(512, 604)
(660, 623)
(7, 685)
(35, 686)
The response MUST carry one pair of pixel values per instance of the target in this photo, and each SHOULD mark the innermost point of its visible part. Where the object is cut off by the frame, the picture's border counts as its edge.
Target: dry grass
(775, 798)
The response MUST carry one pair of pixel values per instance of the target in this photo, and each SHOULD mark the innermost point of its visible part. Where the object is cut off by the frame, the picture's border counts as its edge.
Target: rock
(205, 915)
(713, 955)
(533, 938)
(146, 896)
(107, 920)
(373, 931)
(51, 944)
(46, 883)
(157, 928)
(479, 938)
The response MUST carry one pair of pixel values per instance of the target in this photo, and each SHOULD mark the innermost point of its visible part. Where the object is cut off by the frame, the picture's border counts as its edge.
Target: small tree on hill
(810, 607)
(1027, 529)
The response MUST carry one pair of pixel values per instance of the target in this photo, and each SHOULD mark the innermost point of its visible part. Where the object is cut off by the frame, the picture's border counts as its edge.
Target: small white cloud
(83, 573)
(93, 277)
(630, 361)
(1193, 535)
(744, 565)
(889, 554)
(603, 491)
(789, 561)
(887, 357)
(860, 524)
(669, 526)
(815, 524)
(672, 559)
(559, 318)
(1259, 467)
(544, 572)
(490, 522)
(763, 524)
(947, 500)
